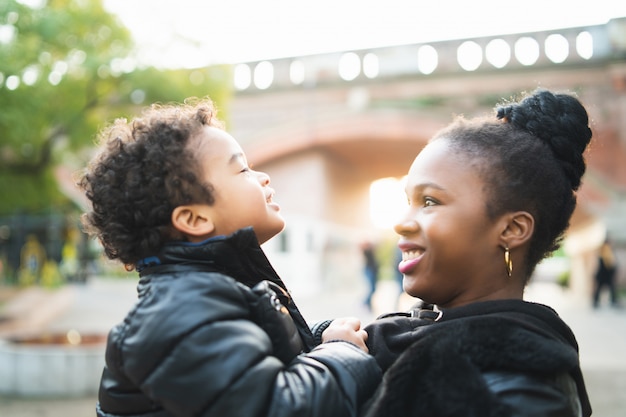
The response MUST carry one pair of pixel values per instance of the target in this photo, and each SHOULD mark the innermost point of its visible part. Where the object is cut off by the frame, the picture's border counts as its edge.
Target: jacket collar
(238, 255)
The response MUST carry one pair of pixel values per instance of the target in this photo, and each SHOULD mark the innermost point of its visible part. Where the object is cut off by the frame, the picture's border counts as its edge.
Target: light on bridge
(584, 45)
(370, 65)
(263, 75)
(427, 59)
(498, 53)
(349, 66)
(526, 50)
(469, 55)
(557, 48)
(296, 72)
(242, 77)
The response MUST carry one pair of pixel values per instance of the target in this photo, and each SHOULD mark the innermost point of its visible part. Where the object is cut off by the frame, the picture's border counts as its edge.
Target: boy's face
(242, 196)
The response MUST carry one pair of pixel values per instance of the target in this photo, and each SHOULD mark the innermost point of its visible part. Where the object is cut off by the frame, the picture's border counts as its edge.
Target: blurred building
(326, 126)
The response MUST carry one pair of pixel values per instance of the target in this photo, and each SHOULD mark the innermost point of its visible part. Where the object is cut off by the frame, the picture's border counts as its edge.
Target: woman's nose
(406, 224)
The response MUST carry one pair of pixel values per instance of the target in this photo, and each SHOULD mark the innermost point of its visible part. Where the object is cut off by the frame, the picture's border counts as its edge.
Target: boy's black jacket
(192, 345)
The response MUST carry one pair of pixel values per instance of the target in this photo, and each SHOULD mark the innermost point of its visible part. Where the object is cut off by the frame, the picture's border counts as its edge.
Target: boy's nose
(264, 179)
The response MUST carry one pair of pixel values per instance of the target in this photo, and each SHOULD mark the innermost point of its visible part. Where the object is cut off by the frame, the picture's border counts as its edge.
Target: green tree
(66, 69)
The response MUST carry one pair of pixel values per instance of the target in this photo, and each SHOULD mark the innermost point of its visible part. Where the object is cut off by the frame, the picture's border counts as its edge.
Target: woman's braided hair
(531, 157)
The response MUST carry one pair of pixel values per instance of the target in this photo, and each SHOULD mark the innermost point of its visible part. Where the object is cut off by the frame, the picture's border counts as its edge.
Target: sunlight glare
(387, 201)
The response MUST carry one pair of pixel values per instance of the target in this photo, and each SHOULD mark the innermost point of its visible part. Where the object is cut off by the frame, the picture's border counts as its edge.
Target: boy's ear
(518, 228)
(193, 220)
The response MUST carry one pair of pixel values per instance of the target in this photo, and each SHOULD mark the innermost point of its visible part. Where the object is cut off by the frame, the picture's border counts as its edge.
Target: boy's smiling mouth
(269, 200)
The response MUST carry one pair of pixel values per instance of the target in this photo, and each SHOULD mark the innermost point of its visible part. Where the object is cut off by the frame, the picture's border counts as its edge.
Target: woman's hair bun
(560, 121)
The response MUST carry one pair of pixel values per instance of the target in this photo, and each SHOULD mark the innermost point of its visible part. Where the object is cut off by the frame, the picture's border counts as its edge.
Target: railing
(569, 46)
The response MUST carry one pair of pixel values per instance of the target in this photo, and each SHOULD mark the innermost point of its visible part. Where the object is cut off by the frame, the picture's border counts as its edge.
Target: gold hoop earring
(508, 262)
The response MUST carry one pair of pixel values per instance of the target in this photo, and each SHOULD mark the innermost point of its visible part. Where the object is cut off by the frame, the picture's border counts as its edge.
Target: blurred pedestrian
(605, 275)
(32, 260)
(370, 270)
(215, 331)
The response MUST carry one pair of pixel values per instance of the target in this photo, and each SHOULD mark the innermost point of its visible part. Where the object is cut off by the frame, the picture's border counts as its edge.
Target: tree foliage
(66, 69)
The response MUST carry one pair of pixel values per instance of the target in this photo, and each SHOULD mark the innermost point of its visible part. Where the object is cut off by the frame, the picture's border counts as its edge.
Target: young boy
(214, 332)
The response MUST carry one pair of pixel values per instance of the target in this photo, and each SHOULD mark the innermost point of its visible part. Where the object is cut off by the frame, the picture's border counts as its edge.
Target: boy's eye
(429, 201)
(245, 169)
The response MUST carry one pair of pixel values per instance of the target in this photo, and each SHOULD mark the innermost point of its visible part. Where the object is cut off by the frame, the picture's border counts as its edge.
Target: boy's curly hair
(144, 169)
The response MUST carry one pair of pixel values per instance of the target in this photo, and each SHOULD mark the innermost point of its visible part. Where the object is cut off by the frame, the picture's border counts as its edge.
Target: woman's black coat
(496, 358)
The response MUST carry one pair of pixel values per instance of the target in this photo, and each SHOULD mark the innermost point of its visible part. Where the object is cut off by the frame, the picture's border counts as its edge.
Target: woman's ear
(193, 221)
(518, 228)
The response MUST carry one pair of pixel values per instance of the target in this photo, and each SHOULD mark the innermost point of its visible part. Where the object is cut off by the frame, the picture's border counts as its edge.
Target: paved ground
(99, 304)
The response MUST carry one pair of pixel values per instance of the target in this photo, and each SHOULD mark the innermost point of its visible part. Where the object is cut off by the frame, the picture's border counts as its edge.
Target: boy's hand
(347, 329)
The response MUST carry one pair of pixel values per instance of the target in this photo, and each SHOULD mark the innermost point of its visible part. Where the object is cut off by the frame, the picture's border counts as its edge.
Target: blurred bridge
(325, 126)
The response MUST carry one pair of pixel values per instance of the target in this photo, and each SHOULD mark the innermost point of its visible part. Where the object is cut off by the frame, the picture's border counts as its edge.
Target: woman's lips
(411, 256)
(406, 267)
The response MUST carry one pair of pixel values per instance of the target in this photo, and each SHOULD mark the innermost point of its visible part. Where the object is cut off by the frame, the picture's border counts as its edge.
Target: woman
(488, 199)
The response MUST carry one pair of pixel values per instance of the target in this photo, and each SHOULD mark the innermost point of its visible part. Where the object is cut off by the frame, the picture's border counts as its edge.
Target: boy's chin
(269, 234)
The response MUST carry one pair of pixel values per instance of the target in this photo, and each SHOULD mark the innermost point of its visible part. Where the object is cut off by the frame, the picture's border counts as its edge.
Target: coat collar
(238, 255)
